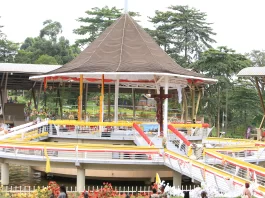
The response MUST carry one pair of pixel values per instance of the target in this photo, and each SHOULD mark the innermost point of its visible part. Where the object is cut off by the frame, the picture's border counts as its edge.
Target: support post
(38, 100)
(177, 179)
(86, 91)
(101, 114)
(198, 102)
(165, 128)
(116, 103)
(193, 102)
(4, 174)
(60, 102)
(80, 99)
(109, 104)
(34, 97)
(80, 179)
(261, 101)
(185, 106)
(133, 102)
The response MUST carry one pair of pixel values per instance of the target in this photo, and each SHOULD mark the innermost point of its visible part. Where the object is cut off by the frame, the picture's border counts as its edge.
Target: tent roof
(252, 72)
(125, 49)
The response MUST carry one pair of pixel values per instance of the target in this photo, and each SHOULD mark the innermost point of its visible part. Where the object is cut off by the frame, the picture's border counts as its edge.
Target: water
(19, 176)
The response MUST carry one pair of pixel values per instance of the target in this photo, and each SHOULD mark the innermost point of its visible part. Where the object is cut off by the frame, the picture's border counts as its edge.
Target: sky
(239, 24)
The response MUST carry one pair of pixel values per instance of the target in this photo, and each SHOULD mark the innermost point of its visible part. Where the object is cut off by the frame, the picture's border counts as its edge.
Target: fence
(72, 189)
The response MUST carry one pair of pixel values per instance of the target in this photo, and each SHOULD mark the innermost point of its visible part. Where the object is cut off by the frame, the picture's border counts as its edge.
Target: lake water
(19, 176)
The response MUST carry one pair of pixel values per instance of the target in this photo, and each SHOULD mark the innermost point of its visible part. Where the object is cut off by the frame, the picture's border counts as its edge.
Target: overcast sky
(239, 24)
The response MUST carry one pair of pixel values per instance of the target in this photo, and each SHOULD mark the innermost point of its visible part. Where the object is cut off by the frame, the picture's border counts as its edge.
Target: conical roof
(124, 47)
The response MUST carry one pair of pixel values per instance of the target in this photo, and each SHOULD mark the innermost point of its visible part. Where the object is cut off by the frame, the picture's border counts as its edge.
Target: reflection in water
(19, 176)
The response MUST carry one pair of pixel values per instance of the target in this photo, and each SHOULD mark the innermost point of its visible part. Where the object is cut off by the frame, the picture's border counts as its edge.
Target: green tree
(221, 63)
(97, 21)
(183, 32)
(49, 44)
(8, 50)
(46, 59)
(51, 29)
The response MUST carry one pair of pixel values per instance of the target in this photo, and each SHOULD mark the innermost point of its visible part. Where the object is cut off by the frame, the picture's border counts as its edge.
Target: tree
(46, 59)
(51, 29)
(221, 63)
(1, 33)
(49, 44)
(97, 21)
(8, 50)
(257, 58)
(182, 31)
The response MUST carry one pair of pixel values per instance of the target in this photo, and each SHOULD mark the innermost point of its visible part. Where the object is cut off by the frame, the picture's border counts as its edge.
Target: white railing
(91, 132)
(81, 154)
(119, 189)
(22, 131)
(223, 179)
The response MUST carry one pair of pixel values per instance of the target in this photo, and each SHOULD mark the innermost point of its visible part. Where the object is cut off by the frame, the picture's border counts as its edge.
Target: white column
(80, 179)
(116, 102)
(165, 112)
(177, 179)
(4, 174)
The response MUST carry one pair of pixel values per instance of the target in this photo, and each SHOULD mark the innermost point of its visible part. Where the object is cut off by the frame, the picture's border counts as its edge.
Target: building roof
(27, 68)
(123, 49)
(252, 72)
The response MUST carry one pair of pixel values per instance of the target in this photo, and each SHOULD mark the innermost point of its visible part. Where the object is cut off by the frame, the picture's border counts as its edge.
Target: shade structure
(124, 49)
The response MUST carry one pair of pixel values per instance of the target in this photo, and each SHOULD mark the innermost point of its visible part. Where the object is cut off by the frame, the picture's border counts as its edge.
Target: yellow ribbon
(48, 164)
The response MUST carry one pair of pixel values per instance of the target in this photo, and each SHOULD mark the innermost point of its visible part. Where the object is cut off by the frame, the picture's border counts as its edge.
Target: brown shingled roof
(124, 47)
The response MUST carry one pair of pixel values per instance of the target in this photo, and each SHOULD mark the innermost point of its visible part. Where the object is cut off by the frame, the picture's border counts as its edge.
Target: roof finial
(125, 6)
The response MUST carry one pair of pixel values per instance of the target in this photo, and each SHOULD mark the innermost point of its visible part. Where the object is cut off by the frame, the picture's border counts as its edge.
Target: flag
(158, 181)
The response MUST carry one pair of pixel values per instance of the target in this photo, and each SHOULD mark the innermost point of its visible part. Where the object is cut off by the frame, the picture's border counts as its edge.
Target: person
(246, 192)
(248, 132)
(154, 195)
(163, 194)
(204, 194)
(85, 194)
(63, 193)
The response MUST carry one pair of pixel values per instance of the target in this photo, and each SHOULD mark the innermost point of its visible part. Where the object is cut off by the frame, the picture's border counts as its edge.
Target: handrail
(177, 133)
(140, 131)
(83, 123)
(235, 161)
(203, 125)
(211, 169)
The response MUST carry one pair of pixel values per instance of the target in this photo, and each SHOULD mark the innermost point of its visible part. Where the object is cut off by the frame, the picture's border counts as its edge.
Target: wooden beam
(133, 102)
(34, 98)
(109, 104)
(198, 102)
(60, 103)
(261, 101)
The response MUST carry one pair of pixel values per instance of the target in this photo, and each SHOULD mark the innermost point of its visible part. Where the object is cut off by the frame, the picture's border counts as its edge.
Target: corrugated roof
(27, 68)
(252, 71)
(126, 49)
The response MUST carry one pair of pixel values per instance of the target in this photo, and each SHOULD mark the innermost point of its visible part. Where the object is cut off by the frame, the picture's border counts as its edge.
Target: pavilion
(126, 56)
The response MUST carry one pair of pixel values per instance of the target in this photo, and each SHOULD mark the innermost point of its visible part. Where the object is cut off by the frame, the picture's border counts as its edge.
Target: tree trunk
(218, 113)
(185, 47)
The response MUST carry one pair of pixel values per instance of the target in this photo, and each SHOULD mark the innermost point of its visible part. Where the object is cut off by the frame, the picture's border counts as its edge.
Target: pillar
(177, 179)
(116, 102)
(80, 179)
(165, 128)
(5, 174)
(30, 171)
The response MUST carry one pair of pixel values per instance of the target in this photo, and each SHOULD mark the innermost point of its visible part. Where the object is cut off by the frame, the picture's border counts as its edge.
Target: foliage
(8, 50)
(97, 21)
(46, 59)
(182, 30)
(47, 48)
(51, 29)
(223, 64)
